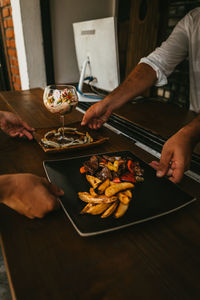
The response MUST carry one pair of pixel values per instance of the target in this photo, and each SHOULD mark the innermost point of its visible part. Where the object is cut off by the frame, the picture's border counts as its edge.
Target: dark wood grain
(47, 259)
(143, 31)
(161, 118)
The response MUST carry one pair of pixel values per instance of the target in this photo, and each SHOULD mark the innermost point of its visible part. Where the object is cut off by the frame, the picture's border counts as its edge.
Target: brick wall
(9, 44)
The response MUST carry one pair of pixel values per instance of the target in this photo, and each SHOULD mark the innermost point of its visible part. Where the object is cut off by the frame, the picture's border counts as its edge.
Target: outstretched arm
(138, 81)
(151, 70)
(14, 126)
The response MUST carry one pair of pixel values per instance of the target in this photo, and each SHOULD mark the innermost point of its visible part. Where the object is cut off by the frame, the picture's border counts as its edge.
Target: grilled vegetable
(130, 166)
(82, 170)
(128, 177)
(113, 167)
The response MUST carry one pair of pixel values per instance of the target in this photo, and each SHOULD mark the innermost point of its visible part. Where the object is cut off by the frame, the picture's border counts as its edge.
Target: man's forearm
(138, 81)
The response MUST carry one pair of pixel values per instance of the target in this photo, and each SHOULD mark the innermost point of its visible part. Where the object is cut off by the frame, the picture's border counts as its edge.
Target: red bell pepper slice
(103, 160)
(130, 166)
(116, 180)
(128, 177)
(82, 170)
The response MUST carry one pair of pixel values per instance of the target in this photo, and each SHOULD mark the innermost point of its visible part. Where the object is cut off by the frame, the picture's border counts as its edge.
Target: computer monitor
(97, 56)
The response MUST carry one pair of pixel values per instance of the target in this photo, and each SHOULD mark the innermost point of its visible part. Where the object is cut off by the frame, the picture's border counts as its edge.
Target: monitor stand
(86, 97)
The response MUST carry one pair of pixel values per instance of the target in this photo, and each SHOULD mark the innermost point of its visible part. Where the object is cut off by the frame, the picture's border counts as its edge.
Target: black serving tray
(153, 198)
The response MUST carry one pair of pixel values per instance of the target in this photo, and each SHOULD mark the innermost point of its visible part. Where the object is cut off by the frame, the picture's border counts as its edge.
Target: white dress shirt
(183, 42)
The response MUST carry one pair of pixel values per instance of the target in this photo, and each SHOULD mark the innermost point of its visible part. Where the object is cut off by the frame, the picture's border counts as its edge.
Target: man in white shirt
(153, 70)
(183, 42)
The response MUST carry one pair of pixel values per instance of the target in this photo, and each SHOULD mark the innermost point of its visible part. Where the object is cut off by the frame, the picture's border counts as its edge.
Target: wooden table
(47, 260)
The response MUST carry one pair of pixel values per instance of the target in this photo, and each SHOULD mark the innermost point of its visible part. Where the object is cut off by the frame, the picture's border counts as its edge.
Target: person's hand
(14, 126)
(96, 115)
(29, 194)
(175, 157)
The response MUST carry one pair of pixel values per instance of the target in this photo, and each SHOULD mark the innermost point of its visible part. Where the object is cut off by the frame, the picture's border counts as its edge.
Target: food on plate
(103, 186)
(94, 181)
(121, 209)
(92, 192)
(86, 197)
(128, 193)
(117, 187)
(115, 168)
(86, 208)
(111, 180)
(97, 209)
(55, 138)
(123, 198)
(110, 210)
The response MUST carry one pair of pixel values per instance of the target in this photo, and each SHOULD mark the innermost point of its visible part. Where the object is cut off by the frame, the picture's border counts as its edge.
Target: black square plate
(153, 198)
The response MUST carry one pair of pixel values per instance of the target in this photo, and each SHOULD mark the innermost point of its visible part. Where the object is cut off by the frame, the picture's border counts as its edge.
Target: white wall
(29, 42)
(63, 14)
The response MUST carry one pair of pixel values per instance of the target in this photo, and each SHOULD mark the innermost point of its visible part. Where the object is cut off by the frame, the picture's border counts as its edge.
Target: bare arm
(138, 81)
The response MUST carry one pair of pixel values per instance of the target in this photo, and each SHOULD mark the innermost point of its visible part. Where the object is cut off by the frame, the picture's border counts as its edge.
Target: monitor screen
(97, 52)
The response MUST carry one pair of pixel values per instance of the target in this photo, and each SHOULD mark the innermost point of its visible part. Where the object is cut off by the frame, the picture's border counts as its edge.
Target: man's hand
(29, 194)
(138, 81)
(175, 157)
(14, 126)
(96, 115)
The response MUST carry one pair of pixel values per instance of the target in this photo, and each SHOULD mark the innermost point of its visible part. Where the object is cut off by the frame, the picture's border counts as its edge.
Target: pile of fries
(111, 182)
(106, 198)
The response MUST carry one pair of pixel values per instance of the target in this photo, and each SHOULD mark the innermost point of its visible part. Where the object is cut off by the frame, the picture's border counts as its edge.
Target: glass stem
(62, 119)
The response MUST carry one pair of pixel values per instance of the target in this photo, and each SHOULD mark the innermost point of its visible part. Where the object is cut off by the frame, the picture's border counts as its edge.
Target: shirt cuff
(161, 77)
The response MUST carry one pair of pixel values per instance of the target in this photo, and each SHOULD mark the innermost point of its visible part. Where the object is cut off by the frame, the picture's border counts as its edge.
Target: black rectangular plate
(153, 198)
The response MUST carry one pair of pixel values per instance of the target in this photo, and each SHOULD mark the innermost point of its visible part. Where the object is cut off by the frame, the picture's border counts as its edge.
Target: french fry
(86, 197)
(128, 193)
(98, 208)
(123, 198)
(92, 192)
(94, 181)
(86, 208)
(110, 210)
(103, 186)
(115, 188)
(110, 196)
(121, 209)
(111, 182)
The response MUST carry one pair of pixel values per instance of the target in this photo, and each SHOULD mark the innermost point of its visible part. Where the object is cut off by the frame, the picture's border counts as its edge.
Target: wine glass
(60, 99)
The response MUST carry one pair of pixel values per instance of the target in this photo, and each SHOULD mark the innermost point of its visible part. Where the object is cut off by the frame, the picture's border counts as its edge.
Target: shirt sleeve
(174, 50)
